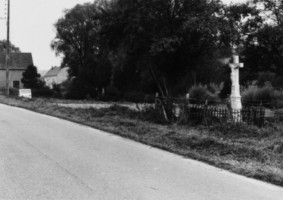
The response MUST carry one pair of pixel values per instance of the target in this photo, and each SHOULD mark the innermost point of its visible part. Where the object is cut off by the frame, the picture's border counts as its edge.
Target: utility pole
(8, 49)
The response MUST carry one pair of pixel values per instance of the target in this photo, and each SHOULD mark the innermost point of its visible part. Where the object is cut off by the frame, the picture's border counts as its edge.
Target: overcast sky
(32, 27)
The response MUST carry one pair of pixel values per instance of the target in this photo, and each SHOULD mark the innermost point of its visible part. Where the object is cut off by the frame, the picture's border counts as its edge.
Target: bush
(42, 92)
(149, 98)
(271, 77)
(112, 94)
(200, 94)
(214, 88)
(31, 79)
(278, 95)
(135, 97)
(74, 89)
(14, 92)
(256, 96)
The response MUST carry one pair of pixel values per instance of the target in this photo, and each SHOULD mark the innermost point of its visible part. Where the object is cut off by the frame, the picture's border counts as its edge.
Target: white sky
(32, 27)
(233, 1)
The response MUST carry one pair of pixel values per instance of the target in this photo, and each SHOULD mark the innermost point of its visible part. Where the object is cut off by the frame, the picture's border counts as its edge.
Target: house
(56, 75)
(18, 64)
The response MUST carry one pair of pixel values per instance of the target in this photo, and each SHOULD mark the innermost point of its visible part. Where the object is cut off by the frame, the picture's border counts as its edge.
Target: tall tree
(77, 40)
(165, 39)
(149, 45)
(264, 55)
(264, 48)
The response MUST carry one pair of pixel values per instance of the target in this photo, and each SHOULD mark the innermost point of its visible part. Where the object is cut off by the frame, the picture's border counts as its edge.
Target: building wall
(50, 80)
(60, 78)
(63, 75)
(14, 75)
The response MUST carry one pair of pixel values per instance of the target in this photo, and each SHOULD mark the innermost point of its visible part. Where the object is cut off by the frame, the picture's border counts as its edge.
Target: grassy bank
(242, 149)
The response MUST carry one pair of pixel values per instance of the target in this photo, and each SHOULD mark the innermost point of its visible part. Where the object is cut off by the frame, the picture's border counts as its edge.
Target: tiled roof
(54, 71)
(17, 60)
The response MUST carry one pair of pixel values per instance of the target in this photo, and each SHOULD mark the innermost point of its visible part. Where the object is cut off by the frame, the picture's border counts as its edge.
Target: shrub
(149, 98)
(31, 79)
(278, 96)
(256, 96)
(14, 92)
(271, 77)
(135, 97)
(200, 94)
(42, 92)
(74, 89)
(214, 88)
(112, 94)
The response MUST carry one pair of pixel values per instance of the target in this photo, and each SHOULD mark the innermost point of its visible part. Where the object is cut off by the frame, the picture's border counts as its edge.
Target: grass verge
(246, 150)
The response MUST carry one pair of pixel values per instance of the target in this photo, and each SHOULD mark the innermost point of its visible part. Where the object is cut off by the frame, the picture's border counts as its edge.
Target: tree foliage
(167, 40)
(238, 22)
(31, 78)
(152, 45)
(77, 40)
(3, 47)
(272, 10)
(264, 48)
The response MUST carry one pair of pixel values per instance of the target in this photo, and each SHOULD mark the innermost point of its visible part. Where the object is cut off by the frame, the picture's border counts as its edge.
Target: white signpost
(25, 93)
(235, 97)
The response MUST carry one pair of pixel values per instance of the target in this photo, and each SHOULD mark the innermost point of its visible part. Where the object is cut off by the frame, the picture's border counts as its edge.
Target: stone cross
(235, 97)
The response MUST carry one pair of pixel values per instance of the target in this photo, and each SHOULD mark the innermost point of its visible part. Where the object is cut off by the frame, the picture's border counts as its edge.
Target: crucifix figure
(235, 97)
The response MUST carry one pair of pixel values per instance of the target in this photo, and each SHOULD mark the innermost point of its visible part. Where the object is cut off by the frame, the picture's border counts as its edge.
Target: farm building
(18, 64)
(56, 75)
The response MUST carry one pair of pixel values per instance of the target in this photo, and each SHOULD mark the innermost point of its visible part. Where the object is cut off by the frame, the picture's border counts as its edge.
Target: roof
(17, 60)
(42, 72)
(54, 71)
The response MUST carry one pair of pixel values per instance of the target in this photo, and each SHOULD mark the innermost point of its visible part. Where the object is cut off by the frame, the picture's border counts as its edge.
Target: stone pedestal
(236, 103)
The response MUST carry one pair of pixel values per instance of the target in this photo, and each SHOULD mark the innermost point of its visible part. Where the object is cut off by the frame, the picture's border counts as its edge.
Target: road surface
(43, 157)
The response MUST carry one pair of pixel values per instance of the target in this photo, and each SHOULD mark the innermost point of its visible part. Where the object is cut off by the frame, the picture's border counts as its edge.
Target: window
(16, 84)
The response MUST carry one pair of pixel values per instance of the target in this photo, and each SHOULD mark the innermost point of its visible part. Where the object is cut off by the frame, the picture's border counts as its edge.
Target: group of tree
(166, 46)
(264, 48)
(3, 47)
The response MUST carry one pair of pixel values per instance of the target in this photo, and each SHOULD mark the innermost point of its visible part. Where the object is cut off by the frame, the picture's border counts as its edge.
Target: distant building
(42, 73)
(56, 75)
(18, 64)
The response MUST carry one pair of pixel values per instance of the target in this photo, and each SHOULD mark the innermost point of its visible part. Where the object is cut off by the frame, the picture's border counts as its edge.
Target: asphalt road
(42, 157)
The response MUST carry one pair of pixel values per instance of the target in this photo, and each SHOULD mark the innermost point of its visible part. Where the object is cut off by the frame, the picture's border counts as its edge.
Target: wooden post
(8, 50)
